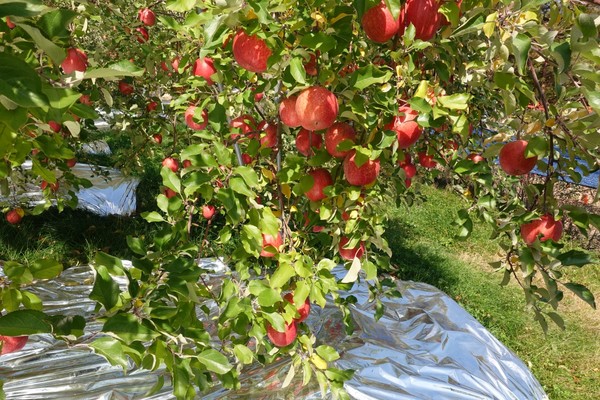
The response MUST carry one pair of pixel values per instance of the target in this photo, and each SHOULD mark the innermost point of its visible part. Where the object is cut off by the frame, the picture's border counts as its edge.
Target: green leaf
(586, 24)
(20, 83)
(536, 146)
(268, 297)
(521, 44)
(111, 349)
(581, 291)
(128, 328)
(458, 101)
(251, 239)
(369, 75)
(248, 174)
(593, 98)
(327, 353)
(120, 69)
(243, 354)
(238, 185)
(170, 179)
(106, 290)
(214, 361)
(136, 245)
(21, 8)
(562, 55)
(24, 322)
(60, 98)
(319, 41)
(56, 53)
(45, 268)
(576, 257)
(282, 275)
(68, 325)
(181, 5)
(17, 272)
(112, 264)
(297, 70)
(55, 23)
(153, 216)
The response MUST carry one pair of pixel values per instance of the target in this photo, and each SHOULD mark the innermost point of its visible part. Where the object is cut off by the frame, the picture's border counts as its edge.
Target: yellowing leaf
(527, 16)
(550, 123)
(318, 361)
(318, 17)
(490, 24)
(286, 190)
(533, 127)
(267, 173)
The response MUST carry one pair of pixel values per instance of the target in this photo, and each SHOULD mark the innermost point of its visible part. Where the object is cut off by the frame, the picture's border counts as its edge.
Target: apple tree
(285, 129)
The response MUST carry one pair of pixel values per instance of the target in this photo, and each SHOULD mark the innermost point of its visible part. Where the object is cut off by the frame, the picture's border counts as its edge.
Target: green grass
(567, 363)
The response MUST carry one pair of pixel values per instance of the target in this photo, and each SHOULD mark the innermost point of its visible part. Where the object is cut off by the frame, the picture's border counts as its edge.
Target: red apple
(322, 178)
(71, 162)
(512, 158)
(125, 88)
(250, 52)
(10, 344)
(409, 170)
(171, 163)
(360, 176)
(208, 211)
(379, 24)
(55, 126)
(205, 68)
(189, 119)
(305, 140)
(143, 35)
(258, 97)
(268, 134)
(169, 193)
(53, 186)
(310, 66)
(424, 15)
(285, 338)
(317, 108)
(151, 106)
(336, 134)
(187, 163)
(303, 310)
(287, 112)
(269, 240)
(147, 16)
(157, 137)
(245, 124)
(405, 126)
(76, 60)
(246, 158)
(350, 254)
(476, 158)
(9, 23)
(546, 226)
(426, 160)
(15, 215)
(85, 99)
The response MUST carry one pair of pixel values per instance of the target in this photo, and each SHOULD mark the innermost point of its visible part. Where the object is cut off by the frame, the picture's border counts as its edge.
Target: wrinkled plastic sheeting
(424, 347)
(111, 193)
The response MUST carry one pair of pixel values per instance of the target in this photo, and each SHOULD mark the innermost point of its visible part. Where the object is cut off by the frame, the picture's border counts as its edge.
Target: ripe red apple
(76, 60)
(85, 99)
(157, 137)
(147, 16)
(189, 119)
(208, 211)
(187, 163)
(9, 23)
(245, 124)
(310, 66)
(426, 160)
(451, 145)
(55, 126)
(287, 112)
(512, 158)
(476, 158)
(258, 97)
(379, 24)
(53, 186)
(151, 106)
(322, 178)
(125, 88)
(424, 15)
(15, 216)
(10, 344)
(317, 108)
(250, 52)
(205, 68)
(143, 36)
(350, 254)
(405, 126)
(270, 240)
(546, 226)
(303, 310)
(169, 193)
(71, 162)
(360, 176)
(409, 170)
(171, 163)
(247, 158)
(336, 134)
(305, 140)
(268, 134)
(285, 338)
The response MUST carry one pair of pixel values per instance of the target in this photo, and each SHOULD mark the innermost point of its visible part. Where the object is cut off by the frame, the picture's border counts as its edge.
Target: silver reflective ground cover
(424, 347)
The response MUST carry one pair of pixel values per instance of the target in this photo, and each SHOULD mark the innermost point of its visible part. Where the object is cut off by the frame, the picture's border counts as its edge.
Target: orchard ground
(567, 363)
